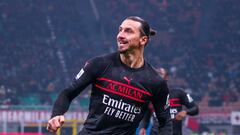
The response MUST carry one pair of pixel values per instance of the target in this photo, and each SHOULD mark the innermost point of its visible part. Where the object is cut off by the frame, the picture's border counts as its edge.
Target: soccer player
(177, 99)
(123, 84)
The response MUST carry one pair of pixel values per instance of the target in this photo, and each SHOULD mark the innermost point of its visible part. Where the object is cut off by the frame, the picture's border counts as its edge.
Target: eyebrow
(140, 29)
(127, 28)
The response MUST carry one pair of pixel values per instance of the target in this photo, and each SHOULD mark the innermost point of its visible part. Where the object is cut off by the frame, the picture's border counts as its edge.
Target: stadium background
(43, 45)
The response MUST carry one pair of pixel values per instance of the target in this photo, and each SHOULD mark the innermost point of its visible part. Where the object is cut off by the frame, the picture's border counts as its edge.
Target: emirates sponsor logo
(119, 109)
(119, 104)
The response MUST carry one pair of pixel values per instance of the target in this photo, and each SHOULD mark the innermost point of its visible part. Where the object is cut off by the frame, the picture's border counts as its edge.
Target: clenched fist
(181, 115)
(55, 123)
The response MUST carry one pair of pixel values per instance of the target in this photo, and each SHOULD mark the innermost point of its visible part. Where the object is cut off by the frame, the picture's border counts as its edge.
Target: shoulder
(159, 84)
(178, 90)
(153, 71)
(99, 64)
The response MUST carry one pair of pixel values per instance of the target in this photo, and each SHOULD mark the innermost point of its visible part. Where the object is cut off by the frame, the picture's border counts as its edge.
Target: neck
(133, 60)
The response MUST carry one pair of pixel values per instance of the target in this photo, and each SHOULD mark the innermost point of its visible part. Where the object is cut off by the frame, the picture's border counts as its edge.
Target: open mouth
(122, 42)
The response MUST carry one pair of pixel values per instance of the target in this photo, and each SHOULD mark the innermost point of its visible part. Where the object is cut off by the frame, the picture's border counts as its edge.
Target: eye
(128, 30)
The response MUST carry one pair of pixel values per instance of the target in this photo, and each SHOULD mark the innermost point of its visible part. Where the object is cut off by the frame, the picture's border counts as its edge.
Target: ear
(144, 40)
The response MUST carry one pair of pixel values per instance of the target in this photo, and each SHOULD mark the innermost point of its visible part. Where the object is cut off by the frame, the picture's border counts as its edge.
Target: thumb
(61, 120)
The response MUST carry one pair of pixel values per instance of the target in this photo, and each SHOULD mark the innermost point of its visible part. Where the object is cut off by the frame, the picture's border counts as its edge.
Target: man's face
(128, 37)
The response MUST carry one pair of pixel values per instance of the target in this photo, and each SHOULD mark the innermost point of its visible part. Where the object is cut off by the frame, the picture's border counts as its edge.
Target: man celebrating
(123, 84)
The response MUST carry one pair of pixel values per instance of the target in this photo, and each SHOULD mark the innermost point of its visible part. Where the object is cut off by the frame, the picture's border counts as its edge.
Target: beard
(122, 48)
(122, 51)
(127, 50)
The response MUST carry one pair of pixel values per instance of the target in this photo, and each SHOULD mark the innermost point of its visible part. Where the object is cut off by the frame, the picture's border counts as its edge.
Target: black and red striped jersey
(119, 98)
(177, 99)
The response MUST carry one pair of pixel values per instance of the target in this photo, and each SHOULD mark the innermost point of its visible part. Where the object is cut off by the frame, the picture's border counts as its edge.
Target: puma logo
(126, 79)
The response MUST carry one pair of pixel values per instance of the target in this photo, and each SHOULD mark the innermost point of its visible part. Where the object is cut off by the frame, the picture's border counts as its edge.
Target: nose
(121, 35)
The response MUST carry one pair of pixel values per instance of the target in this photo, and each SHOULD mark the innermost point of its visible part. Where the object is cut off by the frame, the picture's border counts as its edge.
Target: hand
(55, 123)
(142, 131)
(181, 115)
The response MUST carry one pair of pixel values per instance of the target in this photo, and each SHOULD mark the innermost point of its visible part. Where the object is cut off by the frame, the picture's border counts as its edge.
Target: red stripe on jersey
(118, 93)
(174, 102)
(119, 83)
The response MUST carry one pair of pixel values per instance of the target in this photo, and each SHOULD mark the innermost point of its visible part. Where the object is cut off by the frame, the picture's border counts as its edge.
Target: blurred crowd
(45, 43)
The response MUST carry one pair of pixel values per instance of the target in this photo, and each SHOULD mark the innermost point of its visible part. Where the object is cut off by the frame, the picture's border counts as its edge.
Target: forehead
(130, 24)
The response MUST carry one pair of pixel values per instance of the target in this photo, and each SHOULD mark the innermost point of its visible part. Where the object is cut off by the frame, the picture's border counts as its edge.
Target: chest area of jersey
(131, 86)
(175, 106)
(175, 102)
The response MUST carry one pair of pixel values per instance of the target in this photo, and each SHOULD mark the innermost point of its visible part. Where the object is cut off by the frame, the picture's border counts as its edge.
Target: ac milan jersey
(119, 98)
(177, 99)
